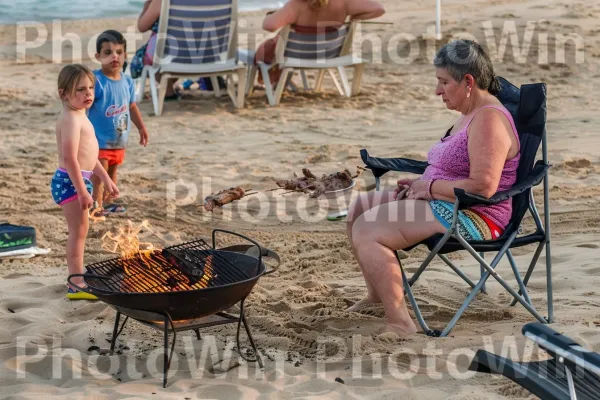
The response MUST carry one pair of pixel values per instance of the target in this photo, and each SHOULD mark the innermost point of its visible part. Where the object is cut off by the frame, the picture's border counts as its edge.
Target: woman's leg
(363, 203)
(77, 224)
(376, 235)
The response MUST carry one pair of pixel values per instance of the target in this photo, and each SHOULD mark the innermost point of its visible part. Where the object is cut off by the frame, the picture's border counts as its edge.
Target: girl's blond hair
(316, 5)
(70, 76)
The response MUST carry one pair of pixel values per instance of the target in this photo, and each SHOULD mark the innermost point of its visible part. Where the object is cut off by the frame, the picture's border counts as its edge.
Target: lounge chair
(196, 39)
(330, 51)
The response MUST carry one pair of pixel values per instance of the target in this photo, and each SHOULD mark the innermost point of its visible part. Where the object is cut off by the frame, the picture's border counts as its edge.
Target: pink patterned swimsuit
(449, 160)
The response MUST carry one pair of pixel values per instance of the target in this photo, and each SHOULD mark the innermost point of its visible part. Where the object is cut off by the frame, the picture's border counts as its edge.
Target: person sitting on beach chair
(479, 154)
(308, 16)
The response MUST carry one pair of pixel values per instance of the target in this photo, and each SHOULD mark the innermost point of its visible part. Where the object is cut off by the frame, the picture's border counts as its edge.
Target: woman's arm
(149, 15)
(489, 145)
(364, 9)
(286, 15)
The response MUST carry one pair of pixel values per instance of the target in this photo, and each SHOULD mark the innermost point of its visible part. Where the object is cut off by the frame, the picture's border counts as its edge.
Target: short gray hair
(462, 57)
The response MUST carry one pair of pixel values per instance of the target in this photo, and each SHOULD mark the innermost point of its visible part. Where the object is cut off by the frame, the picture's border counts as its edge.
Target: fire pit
(182, 287)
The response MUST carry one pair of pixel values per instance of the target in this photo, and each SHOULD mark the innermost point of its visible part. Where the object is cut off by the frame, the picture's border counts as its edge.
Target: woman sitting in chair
(148, 21)
(479, 154)
(306, 16)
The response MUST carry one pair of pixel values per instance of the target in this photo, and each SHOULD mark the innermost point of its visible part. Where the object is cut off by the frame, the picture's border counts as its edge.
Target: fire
(126, 241)
(145, 266)
(95, 215)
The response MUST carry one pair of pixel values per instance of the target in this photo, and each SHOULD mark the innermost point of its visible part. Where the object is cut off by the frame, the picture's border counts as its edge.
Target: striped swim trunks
(471, 225)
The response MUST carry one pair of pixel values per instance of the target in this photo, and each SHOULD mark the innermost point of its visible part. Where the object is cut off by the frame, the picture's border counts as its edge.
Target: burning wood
(223, 197)
(309, 183)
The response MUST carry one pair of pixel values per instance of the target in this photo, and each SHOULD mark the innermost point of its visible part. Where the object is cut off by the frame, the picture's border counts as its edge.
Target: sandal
(73, 294)
(113, 209)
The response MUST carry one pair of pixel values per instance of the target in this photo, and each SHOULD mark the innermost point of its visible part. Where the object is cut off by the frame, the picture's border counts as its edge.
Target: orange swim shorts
(113, 156)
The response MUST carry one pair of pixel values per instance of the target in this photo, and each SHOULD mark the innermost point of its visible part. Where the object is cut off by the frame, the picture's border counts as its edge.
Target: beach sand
(203, 142)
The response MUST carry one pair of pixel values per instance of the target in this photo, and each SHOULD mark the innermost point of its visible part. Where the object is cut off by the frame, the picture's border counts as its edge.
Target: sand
(297, 310)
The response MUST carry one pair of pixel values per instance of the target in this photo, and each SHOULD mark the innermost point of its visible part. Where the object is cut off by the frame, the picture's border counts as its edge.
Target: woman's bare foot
(401, 329)
(363, 303)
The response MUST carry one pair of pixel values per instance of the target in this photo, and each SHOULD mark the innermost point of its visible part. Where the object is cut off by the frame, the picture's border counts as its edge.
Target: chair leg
(532, 265)
(339, 87)
(264, 70)
(491, 271)
(141, 88)
(162, 91)
(513, 265)
(281, 84)
(290, 85)
(344, 81)
(481, 272)
(304, 80)
(319, 81)
(153, 91)
(231, 89)
(413, 302)
(241, 87)
(357, 78)
(215, 84)
(252, 70)
(458, 271)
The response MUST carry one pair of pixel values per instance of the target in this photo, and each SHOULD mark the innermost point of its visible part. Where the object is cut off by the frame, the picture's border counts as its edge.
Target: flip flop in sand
(73, 294)
(113, 209)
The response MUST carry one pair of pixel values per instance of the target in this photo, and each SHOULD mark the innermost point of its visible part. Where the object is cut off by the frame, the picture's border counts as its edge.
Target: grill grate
(188, 266)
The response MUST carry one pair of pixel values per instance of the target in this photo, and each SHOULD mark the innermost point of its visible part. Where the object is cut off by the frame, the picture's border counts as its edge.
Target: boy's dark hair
(110, 36)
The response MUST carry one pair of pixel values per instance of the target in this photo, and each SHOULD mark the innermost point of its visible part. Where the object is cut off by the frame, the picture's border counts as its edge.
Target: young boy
(113, 111)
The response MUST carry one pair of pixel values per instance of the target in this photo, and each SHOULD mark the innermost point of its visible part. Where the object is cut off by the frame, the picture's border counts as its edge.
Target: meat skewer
(309, 183)
(223, 197)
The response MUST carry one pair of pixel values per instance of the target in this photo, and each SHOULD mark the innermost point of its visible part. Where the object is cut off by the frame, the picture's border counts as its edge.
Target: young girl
(77, 161)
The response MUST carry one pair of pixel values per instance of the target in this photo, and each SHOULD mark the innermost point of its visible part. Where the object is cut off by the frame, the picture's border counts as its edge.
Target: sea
(13, 11)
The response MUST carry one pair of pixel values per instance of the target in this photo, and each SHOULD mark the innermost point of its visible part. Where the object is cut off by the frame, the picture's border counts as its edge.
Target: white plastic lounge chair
(196, 39)
(329, 51)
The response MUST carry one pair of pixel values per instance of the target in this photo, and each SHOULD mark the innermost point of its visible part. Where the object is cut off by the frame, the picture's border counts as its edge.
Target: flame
(95, 215)
(134, 253)
(126, 241)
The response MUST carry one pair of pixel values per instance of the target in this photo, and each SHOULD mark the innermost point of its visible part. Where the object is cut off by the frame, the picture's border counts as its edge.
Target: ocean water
(12, 11)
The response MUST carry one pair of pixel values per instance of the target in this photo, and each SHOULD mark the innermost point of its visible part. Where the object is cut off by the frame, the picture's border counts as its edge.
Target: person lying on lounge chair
(479, 154)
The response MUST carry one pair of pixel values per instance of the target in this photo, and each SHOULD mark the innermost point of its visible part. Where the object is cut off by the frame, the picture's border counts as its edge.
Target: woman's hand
(402, 188)
(418, 190)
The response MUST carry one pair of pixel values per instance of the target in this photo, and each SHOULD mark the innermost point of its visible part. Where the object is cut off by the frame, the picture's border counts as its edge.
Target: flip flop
(73, 294)
(114, 209)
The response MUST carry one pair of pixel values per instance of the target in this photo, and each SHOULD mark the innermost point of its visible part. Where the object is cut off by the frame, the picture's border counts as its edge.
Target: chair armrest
(380, 166)
(533, 179)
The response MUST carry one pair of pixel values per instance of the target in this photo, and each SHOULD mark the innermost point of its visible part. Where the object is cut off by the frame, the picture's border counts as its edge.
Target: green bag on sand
(15, 237)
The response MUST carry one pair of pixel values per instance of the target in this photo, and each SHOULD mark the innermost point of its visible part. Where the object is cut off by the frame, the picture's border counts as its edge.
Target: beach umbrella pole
(438, 19)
